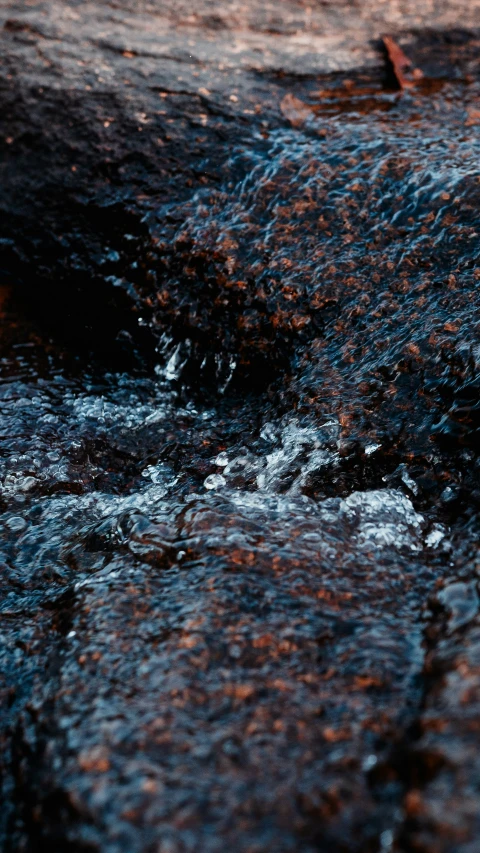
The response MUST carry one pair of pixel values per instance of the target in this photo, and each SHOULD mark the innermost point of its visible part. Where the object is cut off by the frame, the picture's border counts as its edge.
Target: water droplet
(386, 841)
(369, 762)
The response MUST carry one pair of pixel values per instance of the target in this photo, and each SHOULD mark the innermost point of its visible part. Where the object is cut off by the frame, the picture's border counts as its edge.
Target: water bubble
(16, 523)
(221, 460)
(214, 481)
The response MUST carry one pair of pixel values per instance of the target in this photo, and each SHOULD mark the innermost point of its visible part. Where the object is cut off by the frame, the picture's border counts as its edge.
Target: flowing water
(218, 575)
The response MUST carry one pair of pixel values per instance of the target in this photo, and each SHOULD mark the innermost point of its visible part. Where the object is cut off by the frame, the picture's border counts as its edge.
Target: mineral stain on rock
(239, 381)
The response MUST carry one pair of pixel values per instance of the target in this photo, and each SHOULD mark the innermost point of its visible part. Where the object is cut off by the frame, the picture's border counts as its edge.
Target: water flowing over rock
(239, 395)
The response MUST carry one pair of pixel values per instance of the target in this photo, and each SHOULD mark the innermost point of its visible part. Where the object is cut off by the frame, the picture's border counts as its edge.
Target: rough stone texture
(279, 658)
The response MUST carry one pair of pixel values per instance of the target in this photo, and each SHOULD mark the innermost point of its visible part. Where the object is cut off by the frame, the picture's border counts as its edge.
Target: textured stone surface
(239, 590)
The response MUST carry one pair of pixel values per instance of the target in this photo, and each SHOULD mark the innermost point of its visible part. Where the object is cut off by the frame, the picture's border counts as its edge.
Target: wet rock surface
(239, 382)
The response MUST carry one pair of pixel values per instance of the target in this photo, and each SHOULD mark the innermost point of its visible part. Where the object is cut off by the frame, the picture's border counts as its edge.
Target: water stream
(216, 575)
